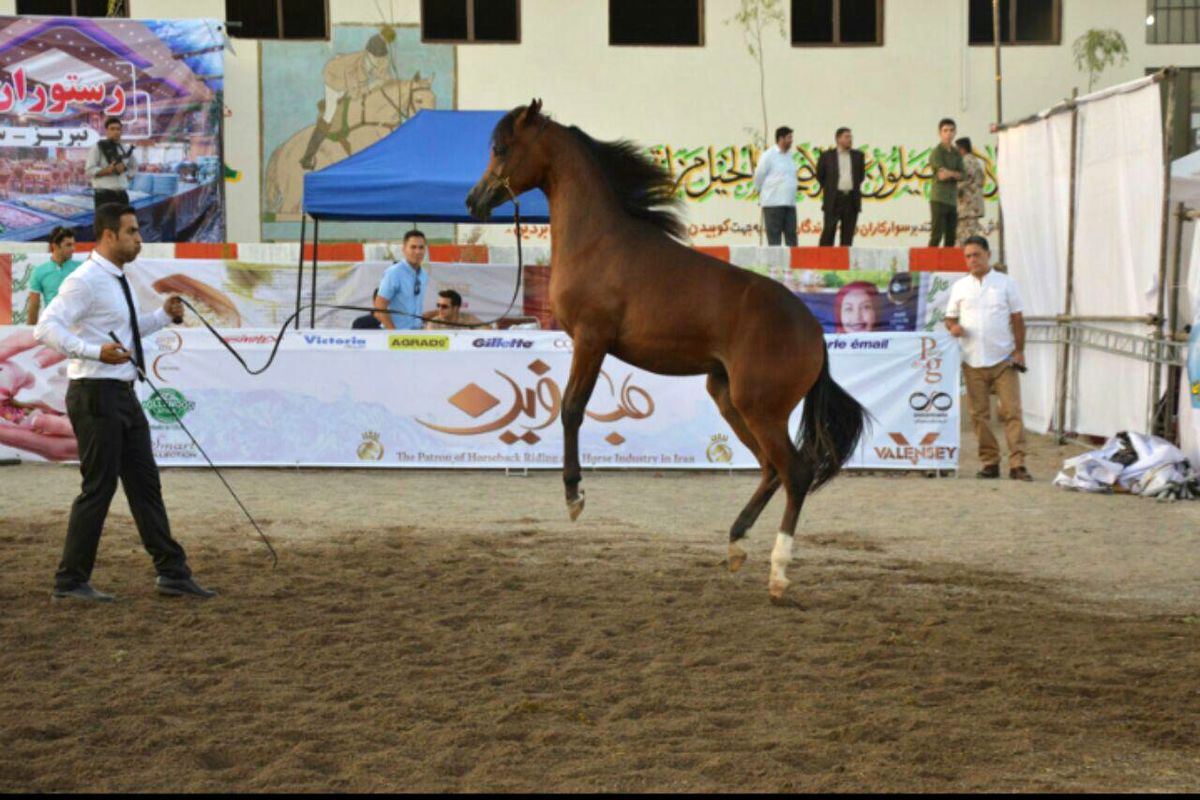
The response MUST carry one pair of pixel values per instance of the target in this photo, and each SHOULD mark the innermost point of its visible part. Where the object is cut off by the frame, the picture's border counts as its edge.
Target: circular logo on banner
(936, 401)
(168, 405)
(718, 451)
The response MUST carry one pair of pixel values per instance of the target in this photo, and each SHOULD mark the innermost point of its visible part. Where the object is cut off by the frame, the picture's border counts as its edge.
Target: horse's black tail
(830, 427)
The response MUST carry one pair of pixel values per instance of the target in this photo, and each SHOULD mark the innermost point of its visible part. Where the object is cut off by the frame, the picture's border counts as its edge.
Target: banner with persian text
(62, 77)
(464, 400)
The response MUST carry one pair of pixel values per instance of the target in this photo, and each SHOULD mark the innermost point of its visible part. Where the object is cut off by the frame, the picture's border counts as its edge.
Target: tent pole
(1065, 362)
(1174, 373)
(312, 309)
(300, 268)
(1168, 129)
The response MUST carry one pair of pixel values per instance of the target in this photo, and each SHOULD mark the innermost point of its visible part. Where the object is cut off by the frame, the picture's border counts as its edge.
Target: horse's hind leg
(718, 387)
(797, 475)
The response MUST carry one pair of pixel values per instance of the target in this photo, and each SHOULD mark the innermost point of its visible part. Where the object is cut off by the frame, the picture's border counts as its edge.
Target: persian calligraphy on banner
(711, 171)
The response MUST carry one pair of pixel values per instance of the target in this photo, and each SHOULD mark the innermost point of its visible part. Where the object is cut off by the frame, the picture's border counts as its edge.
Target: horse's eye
(500, 151)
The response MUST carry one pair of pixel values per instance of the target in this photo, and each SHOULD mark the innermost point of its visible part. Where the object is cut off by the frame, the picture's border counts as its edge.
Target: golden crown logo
(371, 448)
(718, 451)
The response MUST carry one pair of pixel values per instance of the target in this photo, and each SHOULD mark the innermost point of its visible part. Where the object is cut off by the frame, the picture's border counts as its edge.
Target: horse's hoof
(575, 507)
(778, 588)
(737, 557)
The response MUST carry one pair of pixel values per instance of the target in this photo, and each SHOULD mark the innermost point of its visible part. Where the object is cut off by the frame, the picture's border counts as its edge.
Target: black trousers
(780, 220)
(102, 196)
(843, 210)
(945, 223)
(114, 443)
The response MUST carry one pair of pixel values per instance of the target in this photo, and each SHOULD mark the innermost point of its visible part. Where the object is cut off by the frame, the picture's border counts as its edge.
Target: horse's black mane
(643, 188)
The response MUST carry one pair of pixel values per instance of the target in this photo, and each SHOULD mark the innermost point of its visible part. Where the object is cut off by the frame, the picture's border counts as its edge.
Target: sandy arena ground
(435, 631)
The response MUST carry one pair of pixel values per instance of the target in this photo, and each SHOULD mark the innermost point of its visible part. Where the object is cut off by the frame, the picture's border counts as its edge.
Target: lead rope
(467, 326)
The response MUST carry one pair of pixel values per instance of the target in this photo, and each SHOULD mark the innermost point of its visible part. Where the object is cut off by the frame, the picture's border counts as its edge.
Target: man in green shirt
(947, 166)
(49, 276)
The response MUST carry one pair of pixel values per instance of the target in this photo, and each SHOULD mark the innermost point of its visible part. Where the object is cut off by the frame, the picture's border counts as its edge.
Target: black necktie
(138, 358)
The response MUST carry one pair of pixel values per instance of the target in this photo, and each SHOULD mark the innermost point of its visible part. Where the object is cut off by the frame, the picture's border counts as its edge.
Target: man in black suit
(841, 172)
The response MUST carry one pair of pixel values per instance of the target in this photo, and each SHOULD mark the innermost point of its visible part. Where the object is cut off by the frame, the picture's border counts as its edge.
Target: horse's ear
(530, 113)
(417, 75)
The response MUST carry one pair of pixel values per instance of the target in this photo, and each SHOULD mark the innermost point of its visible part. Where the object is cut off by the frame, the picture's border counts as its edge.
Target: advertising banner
(244, 293)
(61, 77)
(465, 400)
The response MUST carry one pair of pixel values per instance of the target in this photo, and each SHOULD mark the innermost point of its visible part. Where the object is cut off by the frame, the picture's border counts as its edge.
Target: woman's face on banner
(858, 311)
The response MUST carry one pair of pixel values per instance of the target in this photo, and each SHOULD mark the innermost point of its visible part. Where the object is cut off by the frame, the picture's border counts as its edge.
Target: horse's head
(517, 163)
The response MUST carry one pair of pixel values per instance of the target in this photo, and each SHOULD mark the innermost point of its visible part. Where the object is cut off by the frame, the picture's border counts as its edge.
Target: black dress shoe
(179, 587)
(83, 591)
(989, 471)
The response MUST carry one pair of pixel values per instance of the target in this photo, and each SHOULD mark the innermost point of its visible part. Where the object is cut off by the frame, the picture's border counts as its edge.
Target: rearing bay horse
(622, 283)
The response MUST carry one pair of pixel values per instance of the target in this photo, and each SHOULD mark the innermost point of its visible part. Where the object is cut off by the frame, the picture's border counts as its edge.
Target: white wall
(890, 95)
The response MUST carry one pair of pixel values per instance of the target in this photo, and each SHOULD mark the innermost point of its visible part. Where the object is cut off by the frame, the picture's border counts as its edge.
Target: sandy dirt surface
(436, 631)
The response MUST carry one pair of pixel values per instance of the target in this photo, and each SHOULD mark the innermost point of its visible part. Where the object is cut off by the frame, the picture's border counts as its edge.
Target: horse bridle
(505, 182)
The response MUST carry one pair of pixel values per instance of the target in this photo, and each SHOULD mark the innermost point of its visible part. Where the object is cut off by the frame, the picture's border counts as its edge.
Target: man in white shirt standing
(985, 314)
(775, 180)
(109, 424)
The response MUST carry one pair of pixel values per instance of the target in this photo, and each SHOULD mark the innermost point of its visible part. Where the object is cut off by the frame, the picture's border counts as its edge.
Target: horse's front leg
(585, 368)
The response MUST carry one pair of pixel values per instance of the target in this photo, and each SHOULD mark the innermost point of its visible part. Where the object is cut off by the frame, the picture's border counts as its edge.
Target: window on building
(661, 22)
(461, 21)
(847, 23)
(1021, 22)
(1173, 22)
(72, 8)
(275, 19)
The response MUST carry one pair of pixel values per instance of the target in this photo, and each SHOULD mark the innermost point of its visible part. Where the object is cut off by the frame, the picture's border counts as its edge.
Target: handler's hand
(173, 307)
(113, 353)
(1017, 358)
(955, 329)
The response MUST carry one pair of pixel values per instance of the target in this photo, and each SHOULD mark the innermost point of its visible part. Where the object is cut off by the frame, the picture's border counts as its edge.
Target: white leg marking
(781, 556)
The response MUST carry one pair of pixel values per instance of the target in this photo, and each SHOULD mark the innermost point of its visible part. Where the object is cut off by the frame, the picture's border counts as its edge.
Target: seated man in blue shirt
(402, 290)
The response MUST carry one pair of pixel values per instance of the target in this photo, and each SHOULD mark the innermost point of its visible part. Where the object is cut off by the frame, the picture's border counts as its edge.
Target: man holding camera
(109, 165)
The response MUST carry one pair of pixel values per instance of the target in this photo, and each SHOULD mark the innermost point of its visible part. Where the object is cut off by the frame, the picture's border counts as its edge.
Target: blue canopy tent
(422, 171)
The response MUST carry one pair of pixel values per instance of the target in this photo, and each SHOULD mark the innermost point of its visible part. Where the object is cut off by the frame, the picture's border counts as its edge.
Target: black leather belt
(103, 382)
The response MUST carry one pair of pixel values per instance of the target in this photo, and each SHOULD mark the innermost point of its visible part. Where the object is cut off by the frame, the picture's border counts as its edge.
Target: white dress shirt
(984, 309)
(90, 303)
(845, 172)
(775, 178)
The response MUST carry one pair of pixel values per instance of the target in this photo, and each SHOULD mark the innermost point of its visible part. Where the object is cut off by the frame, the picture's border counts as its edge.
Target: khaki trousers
(982, 382)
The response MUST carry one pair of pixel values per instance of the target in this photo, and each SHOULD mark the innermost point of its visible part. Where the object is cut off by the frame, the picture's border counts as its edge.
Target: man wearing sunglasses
(449, 313)
(402, 291)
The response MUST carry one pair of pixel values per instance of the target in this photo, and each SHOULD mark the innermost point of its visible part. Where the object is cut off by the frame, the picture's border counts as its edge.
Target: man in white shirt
(109, 424)
(775, 180)
(985, 314)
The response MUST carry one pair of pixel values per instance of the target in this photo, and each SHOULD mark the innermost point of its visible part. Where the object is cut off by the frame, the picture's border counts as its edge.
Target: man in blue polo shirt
(402, 290)
(43, 286)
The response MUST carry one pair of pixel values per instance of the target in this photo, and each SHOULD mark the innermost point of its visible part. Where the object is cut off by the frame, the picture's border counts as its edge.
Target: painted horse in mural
(621, 282)
(359, 123)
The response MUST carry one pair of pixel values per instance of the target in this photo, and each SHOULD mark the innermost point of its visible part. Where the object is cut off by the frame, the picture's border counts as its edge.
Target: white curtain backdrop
(1034, 162)
(1117, 249)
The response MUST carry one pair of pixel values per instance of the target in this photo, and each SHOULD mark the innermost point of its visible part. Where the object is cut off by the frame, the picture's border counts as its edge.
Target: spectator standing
(970, 193)
(946, 165)
(776, 183)
(984, 312)
(841, 172)
(48, 277)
